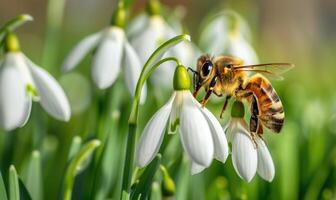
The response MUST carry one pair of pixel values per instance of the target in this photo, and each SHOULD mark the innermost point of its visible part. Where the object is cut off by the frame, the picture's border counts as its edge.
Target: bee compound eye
(207, 67)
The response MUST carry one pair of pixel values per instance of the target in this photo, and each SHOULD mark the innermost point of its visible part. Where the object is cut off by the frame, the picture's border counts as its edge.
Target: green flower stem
(52, 42)
(156, 65)
(13, 24)
(157, 54)
(132, 122)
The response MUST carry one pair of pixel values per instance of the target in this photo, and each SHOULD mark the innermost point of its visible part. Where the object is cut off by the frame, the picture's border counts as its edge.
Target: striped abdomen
(271, 112)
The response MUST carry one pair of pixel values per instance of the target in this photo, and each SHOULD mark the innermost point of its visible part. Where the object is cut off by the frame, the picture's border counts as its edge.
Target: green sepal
(238, 109)
(181, 78)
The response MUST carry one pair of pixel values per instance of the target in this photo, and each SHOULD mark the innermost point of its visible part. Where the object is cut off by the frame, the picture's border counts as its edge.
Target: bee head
(204, 72)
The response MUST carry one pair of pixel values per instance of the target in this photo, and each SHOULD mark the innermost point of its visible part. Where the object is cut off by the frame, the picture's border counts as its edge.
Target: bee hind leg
(255, 126)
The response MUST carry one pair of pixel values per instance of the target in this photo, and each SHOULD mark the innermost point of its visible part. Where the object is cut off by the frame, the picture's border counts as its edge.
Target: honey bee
(226, 75)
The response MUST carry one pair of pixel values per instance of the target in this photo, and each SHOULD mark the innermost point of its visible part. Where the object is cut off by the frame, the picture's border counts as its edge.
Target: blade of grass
(75, 147)
(14, 191)
(33, 179)
(3, 194)
(76, 165)
(24, 194)
(143, 187)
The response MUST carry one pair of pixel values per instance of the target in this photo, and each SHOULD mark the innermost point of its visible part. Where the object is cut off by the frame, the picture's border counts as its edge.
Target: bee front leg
(227, 98)
(209, 91)
(206, 98)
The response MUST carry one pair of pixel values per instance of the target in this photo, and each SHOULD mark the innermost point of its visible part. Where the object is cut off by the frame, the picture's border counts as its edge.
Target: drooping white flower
(21, 81)
(228, 33)
(112, 52)
(147, 33)
(248, 157)
(201, 134)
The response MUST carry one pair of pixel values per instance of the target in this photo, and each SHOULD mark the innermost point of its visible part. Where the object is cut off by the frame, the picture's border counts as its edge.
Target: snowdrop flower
(201, 134)
(248, 157)
(228, 33)
(112, 50)
(21, 81)
(147, 32)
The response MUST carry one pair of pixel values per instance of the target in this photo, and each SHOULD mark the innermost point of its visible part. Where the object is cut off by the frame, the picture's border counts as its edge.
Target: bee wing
(271, 70)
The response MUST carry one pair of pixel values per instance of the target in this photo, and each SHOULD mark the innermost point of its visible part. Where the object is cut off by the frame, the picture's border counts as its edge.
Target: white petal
(196, 168)
(28, 107)
(211, 38)
(153, 134)
(195, 133)
(218, 135)
(13, 97)
(107, 59)
(149, 39)
(265, 163)
(137, 25)
(244, 155)
(80, 50)
(240, 48)
(132, 71)
(52, 96)
(174, 120)
(234, 125)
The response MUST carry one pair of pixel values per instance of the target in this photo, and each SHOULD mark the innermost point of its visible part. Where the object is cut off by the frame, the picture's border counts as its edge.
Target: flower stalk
(13, 24)
(147, 70)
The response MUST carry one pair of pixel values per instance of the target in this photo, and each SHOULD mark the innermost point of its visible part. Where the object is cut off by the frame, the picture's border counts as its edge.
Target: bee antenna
(192, 70)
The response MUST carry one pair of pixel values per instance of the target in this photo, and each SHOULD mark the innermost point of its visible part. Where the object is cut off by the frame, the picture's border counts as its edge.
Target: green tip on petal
(238, 109)
(153, 7)
(119, 16)
(11, 43)
(181, 78)
(31, 90)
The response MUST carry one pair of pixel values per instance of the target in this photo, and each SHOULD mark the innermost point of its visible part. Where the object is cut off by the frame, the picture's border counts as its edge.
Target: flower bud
(119, 16)
(11, 43)
(237, 109)
(153, 7)
(181, 78)
(168, 186)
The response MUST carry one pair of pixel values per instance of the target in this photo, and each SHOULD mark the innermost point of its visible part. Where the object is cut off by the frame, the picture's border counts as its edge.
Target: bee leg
(227, 98)
(255, 126)
(206, 98)
(218, 95)
(209, 91)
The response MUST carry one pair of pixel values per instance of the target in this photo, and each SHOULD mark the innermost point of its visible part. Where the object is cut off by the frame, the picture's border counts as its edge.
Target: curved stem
(157, 54)
(13, 24)
(156, 65)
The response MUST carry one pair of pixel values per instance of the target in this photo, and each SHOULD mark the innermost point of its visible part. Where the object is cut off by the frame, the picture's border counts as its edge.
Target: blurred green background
(302, 32)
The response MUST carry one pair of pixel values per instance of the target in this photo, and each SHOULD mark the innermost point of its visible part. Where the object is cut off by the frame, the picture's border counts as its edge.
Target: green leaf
(14, 191)
(24, 194)
(75, 147)
(33, 176)
(13, 24)
(144, 185)
(3, 194)
(76, 165)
